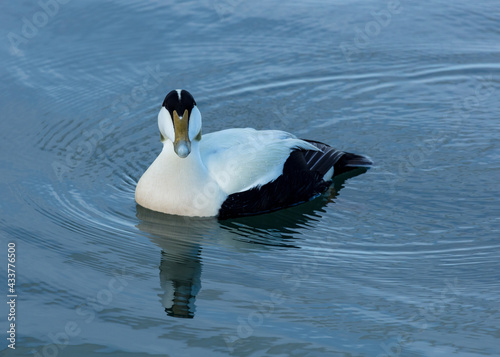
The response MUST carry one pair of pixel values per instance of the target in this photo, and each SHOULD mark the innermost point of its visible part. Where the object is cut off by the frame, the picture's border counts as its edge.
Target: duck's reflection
(181, 240)
(180, 265)
(181, 282)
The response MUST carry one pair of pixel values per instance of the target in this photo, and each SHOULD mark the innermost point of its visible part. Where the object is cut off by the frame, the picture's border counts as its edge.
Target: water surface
(400, 261)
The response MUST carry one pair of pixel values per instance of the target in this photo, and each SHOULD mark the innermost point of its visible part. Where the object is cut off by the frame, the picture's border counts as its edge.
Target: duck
(234, 172)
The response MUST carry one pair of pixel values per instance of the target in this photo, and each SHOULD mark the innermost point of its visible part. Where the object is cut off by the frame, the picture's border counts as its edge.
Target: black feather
(173, 102)
(301, 180)
(341, 161)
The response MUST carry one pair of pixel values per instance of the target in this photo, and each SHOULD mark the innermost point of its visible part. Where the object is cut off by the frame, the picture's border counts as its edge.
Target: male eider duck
(233, 172)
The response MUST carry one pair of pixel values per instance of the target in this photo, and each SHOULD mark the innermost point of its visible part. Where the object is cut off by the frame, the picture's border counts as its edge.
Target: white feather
(165, 124)
(179, 185)
(329, 175)
(194, 123)
(221, 164)
(239, 159)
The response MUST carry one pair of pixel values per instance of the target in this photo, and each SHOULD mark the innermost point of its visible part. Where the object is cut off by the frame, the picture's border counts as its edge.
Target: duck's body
(233, 172)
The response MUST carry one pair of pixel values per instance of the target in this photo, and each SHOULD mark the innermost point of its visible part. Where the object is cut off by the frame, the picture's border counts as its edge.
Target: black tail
(349, 162)
(341, 161)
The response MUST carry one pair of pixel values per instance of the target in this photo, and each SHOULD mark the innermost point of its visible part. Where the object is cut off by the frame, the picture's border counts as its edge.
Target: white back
(240, 159)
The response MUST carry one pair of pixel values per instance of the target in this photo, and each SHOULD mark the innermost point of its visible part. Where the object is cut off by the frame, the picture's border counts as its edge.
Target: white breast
(179, 186)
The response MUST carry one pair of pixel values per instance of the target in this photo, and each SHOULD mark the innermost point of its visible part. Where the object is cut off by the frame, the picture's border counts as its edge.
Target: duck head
(179, 121)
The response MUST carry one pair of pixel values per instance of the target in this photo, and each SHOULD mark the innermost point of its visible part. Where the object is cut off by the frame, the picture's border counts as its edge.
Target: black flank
(301, 180)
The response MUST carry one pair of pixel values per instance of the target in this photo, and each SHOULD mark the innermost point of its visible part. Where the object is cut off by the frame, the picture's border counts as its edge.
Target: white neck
(179, 185)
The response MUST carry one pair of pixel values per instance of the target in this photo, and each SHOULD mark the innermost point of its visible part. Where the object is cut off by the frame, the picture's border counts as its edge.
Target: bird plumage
(233, 172)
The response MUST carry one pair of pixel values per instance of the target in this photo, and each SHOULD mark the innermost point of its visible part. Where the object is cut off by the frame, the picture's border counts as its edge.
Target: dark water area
(402, 260)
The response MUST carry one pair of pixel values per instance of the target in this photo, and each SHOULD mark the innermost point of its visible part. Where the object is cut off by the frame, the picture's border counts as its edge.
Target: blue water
(402, 260)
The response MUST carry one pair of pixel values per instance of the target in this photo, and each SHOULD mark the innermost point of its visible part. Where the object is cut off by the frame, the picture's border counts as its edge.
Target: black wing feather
(340, 160)
(301, 180)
